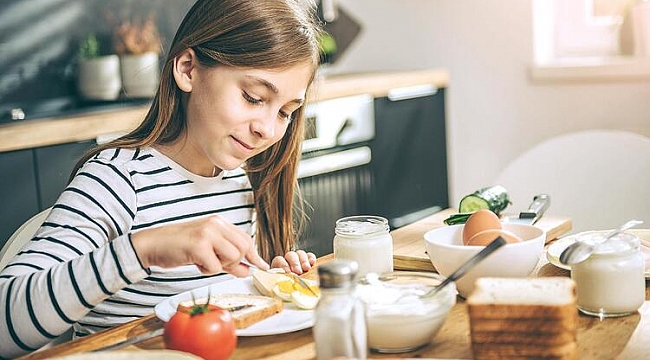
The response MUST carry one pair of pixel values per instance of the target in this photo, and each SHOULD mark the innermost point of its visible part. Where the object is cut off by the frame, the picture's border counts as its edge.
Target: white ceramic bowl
(447, 253)
(397, 319)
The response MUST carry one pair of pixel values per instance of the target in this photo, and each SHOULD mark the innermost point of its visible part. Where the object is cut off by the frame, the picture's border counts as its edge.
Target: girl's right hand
(212, 244)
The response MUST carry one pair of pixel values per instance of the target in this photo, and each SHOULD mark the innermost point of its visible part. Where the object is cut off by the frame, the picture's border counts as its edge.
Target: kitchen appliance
(334, 174)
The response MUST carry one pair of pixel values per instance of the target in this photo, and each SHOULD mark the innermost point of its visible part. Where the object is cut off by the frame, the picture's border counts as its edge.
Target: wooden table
(621, 338)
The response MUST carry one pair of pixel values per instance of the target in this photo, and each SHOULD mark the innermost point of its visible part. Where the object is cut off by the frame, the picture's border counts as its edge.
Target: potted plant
(139, 45)
(98, 77)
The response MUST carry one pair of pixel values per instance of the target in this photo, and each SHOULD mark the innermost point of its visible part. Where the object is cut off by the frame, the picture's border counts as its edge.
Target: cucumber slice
(494, 198)
(472, 203)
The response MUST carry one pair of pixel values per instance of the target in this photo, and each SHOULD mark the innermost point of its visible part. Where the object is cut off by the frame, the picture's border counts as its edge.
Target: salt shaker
(339, 325)
(366, 240)
(611, 281)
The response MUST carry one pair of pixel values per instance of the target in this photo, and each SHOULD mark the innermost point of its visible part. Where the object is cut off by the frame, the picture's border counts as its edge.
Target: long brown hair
(262, 34)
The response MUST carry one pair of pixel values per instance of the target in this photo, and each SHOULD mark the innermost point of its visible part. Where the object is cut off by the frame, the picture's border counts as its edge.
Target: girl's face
(234, 114)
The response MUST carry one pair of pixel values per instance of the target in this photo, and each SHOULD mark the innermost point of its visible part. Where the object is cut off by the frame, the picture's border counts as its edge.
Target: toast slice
(523, 338)
(524, 298)
(257, 307)
(538, 326)
(566, 351)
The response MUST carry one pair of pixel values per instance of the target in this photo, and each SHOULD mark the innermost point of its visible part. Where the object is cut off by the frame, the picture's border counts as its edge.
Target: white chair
(599, 178)
(16, 242)
(21, 236)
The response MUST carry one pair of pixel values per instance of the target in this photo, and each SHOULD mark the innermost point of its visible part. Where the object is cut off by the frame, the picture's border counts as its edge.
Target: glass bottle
(611, 282)
(365, 239)
(339, 319)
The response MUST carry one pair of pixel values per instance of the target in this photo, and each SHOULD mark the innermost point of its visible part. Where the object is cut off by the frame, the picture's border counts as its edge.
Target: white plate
(290, 319)
(555, 249)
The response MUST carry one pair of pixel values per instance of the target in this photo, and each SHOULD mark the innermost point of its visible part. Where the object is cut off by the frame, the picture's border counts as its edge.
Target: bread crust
(538, 326)
(493, 351)
(518, 338)
(520, 311)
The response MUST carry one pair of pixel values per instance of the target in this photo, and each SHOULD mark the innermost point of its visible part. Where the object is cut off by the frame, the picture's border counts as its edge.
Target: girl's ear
(184, 66)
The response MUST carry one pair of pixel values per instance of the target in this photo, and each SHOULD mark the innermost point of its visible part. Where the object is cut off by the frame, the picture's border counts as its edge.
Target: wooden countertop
(51, 131)
(622, 338)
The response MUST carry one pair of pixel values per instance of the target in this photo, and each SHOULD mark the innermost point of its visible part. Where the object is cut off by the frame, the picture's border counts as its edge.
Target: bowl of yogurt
(398, 318)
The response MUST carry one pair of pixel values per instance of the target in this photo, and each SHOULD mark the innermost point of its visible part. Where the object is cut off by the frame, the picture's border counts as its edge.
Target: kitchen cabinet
(409, 157)
(17, 191)
(33, 179)
(54, 164)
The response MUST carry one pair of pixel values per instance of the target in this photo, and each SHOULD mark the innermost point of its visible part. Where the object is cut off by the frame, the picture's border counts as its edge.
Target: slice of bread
(566, 351)
(539, 326)
(523, 298)
(258, 307)
(522, 338)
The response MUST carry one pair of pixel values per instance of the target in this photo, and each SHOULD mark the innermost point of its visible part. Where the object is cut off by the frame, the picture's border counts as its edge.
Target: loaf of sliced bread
(518, 318)
(524, 298)
(247, 310)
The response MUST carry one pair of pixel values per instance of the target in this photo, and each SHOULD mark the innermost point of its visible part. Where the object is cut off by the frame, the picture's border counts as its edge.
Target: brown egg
(485, 237)
(479, 221)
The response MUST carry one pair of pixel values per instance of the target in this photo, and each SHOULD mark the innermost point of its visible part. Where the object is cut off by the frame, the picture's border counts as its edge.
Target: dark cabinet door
(54, 164)
(409, 158)
(17, 191)
(330, 197)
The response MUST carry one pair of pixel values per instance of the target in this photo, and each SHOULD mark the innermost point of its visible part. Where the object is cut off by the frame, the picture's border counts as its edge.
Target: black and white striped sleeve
(80, 256)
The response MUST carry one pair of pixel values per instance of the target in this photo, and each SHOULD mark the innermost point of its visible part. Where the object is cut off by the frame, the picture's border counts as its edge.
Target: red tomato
(203, 330)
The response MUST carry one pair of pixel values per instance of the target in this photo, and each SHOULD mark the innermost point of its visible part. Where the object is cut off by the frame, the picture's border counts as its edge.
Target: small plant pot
(99, 78)
(140, 74)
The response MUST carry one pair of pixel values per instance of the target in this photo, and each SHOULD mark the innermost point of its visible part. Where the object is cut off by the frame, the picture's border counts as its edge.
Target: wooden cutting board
(408, 241)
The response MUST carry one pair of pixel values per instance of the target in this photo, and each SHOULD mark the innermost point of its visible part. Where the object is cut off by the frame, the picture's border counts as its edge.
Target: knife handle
(537, 208)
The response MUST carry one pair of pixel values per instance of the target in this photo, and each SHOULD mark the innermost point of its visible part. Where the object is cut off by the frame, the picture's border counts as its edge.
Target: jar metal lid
(337, 273)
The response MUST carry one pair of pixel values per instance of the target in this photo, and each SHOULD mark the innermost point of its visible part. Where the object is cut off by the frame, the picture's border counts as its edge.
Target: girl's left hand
(297, 261)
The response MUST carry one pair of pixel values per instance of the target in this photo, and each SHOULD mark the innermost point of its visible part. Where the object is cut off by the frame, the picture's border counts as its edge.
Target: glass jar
(339, 324)
(611, 281)
(393, 301)
(366, 240)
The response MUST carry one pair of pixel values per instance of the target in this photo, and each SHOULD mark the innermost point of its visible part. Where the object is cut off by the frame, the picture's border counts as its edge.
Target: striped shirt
(81, 270)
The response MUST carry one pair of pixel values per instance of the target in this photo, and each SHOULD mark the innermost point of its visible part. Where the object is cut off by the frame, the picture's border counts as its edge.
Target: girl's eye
(251, 99)
(284, 116)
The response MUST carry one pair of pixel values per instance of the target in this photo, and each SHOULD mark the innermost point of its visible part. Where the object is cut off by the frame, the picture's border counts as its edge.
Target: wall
(494, 111)
(39, 41)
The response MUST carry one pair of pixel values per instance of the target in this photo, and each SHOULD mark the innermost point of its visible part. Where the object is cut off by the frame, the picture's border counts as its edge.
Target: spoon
(579, 251)
(487, 250)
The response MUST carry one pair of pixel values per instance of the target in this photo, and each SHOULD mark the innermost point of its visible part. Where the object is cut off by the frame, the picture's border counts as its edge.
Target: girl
(206, 180)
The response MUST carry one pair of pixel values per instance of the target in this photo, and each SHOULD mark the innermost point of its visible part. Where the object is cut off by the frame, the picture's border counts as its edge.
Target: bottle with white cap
(339, 327)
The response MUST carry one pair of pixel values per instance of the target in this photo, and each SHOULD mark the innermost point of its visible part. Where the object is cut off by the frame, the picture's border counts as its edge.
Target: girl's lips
(243, 144)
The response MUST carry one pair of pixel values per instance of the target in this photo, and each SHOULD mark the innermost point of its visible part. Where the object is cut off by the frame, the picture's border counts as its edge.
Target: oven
(334, 173)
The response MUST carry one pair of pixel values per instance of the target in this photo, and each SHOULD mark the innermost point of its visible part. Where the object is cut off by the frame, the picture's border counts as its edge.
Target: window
(578, 38)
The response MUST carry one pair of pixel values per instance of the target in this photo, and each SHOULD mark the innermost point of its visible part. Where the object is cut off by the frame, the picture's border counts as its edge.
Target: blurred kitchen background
(543, 95)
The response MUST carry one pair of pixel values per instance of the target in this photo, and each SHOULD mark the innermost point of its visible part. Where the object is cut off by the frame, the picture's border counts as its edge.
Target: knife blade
(535, 210)
(131, 341)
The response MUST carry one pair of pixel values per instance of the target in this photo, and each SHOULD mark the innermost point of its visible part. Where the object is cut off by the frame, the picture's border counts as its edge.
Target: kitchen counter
(58, 130)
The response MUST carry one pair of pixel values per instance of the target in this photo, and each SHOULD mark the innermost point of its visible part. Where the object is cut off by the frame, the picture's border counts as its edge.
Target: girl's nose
(264, 126)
